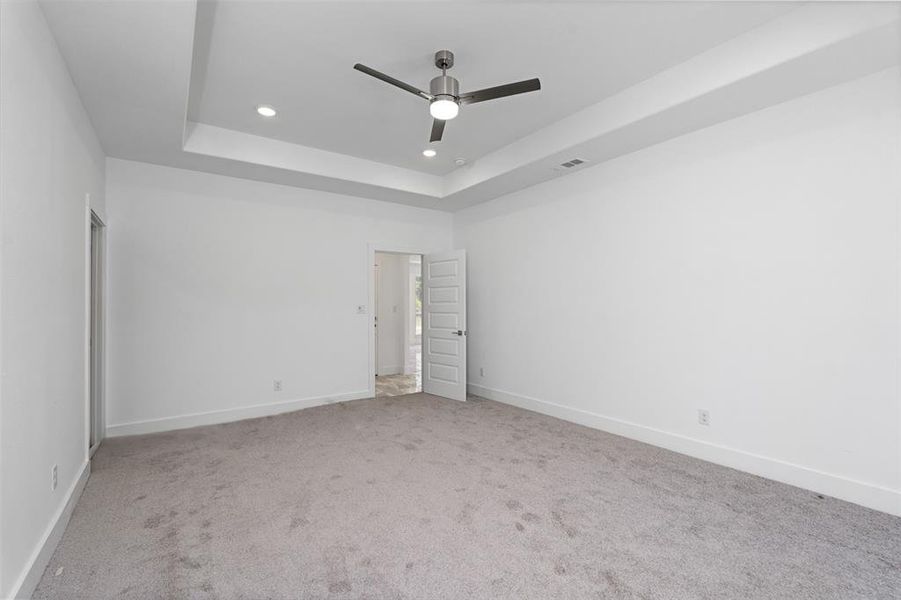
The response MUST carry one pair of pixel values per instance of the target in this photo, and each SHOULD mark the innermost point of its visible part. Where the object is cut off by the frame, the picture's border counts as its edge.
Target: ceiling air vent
(570, 164)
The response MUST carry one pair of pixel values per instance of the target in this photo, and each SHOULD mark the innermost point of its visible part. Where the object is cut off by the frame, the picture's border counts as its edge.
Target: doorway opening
(397, 322)
(96, 335)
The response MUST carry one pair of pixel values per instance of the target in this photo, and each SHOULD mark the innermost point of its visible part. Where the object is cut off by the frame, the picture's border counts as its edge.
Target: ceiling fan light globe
(444, 109)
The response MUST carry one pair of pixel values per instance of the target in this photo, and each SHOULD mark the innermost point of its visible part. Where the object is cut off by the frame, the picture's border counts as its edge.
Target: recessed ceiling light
(429, 153)
(266, 110)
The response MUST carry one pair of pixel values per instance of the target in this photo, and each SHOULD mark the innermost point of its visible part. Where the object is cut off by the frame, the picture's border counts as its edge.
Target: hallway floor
(400, 385)
(397, 385)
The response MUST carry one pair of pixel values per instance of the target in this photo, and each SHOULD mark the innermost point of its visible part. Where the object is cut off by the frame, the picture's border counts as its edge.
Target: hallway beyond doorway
(398, 323)
(408, 383)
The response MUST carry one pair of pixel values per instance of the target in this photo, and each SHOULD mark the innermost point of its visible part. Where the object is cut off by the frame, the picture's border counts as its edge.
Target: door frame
(371, 249)
(377, 279)
(95, 329)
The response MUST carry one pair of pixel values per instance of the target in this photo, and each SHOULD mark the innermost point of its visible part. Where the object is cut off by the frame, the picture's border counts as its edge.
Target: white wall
(49, 160)
(393, 274)
(750, 269)
(218, 286)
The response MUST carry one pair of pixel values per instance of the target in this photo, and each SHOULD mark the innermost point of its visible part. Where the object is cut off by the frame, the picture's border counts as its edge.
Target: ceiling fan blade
(501, 91)
(392, 81)
(437, 130)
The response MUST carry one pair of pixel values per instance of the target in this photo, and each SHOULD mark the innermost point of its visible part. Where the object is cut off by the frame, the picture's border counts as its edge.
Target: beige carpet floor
(420, 497)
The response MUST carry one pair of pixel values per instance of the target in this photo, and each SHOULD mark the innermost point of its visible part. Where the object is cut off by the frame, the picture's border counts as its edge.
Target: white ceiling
(298, 56)
(174, 82)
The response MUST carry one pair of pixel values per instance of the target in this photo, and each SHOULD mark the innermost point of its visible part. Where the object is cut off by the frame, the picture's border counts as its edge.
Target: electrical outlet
(277, 385)
(53, 478)
(703, 417)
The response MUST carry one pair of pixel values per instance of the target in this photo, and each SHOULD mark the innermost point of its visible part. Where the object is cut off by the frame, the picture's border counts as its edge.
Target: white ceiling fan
(444, 96)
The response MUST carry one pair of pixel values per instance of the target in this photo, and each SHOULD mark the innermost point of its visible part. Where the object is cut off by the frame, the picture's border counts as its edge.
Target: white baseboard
(40, 557)
(858, 492)
(227, 415)
(391, 370)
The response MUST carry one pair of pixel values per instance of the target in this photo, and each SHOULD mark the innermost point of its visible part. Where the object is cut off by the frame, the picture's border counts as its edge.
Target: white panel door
(444, 324)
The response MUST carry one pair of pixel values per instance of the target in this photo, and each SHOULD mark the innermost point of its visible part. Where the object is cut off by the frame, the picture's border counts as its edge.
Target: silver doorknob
(458, 332)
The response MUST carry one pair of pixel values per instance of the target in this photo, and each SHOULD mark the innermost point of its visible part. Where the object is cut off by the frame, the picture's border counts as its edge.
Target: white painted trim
(227, 415)
(87, 327)
(391, 370)
(858, 492)
(40, 557)
(371, 249)
(94, 218)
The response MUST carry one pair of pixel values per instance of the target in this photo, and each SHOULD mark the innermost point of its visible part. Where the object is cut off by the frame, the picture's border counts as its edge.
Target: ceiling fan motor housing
(444, 87)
